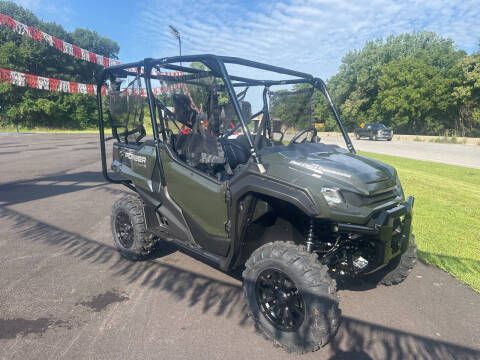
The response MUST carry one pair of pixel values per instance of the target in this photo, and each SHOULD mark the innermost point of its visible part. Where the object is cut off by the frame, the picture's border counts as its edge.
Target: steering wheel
(303, 132)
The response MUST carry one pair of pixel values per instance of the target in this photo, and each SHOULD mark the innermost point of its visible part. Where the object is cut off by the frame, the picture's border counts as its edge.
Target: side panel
(137, 163)
(202, 200)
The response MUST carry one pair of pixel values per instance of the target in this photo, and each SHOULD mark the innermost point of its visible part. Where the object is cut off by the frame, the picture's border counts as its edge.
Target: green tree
(467, 96)
(414, 96)
(91, 40)
(405, 81)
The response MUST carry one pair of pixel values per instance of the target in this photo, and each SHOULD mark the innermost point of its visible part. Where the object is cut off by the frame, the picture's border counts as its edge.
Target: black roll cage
(216, 64)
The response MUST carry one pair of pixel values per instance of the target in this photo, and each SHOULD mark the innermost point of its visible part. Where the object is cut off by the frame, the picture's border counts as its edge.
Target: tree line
(418, 83)
(30, 108)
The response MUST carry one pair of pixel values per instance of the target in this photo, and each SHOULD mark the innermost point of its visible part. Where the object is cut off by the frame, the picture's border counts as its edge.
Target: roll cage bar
(216, 64)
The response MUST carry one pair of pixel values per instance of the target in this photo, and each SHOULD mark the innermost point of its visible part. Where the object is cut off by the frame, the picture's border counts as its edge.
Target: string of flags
(18, 78)
(45, 83)
(62, 46)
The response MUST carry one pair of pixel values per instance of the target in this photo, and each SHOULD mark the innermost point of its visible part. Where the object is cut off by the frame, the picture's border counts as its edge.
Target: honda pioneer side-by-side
(296, 215)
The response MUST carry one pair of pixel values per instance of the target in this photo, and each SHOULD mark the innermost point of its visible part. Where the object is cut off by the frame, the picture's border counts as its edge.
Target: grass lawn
(446, 214)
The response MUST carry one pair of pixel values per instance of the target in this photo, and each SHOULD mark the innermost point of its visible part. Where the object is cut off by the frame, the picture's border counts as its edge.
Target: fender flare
(257, 184)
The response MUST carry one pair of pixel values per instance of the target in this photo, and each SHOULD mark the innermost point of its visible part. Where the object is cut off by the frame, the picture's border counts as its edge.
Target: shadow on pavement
(52, 185)
(356, 339)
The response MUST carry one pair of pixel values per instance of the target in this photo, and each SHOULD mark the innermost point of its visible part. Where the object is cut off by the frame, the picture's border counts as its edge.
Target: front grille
(378, 198)
(368, 200)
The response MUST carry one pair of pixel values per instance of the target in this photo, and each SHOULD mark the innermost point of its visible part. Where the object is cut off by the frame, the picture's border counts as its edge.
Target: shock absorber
(311, 236)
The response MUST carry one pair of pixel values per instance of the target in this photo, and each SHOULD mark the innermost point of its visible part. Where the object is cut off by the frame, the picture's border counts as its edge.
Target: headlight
(332, 196)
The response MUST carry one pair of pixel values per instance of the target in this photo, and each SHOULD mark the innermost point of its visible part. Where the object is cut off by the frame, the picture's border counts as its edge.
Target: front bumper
(390, 229)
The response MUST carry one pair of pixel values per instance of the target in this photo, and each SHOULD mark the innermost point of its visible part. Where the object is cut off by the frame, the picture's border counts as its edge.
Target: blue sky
(307, 35)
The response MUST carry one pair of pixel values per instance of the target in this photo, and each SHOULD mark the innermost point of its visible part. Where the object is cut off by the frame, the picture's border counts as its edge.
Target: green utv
(296, 215)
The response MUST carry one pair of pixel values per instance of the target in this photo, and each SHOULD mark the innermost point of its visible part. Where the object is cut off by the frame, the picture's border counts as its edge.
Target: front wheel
(291, 297)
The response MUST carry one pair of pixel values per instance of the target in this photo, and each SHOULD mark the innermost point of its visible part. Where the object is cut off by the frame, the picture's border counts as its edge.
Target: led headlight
(332, 196)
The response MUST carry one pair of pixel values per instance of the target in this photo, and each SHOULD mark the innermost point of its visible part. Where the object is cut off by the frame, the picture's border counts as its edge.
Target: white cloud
(309, 35)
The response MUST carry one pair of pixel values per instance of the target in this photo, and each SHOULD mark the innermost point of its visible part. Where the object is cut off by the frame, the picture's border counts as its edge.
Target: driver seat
(184, 111)
(197, 147)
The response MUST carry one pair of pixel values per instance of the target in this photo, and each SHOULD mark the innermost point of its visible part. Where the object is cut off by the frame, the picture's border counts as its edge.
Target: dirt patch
(10, 328)
(100, 302)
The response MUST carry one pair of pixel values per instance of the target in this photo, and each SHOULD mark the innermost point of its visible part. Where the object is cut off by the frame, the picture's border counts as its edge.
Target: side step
(199, 253)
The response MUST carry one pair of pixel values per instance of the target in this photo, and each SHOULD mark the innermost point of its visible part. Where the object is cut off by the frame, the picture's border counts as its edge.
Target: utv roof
(216, 64)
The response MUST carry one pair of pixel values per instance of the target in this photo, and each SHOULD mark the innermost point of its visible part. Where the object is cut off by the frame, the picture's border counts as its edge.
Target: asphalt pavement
(453, 154)
(65, 293)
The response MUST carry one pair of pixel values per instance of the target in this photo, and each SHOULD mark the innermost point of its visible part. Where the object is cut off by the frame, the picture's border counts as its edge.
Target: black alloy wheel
(124, 229)
(279, 300)
(291, 297)
(129, 230)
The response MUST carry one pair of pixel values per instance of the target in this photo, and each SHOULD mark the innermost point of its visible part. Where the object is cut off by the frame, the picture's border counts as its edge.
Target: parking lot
(66, 293)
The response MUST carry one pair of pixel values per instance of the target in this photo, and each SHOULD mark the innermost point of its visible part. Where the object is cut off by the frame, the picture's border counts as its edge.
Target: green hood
(313, 166)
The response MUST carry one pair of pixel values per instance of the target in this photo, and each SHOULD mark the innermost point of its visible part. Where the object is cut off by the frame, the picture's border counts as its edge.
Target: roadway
(453, 154)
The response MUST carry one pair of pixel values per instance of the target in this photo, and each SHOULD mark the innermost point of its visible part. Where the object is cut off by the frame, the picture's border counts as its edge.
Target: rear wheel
(292, 298)
(129, 230)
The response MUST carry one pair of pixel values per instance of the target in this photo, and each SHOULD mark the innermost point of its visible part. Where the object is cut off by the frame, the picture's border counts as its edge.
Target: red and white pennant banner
(59, 44)
(44, 83)
(65, 47)
(50, 84)
(165, 89)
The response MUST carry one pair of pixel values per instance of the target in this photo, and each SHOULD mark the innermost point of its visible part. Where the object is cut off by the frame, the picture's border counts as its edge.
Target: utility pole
(176, 34)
